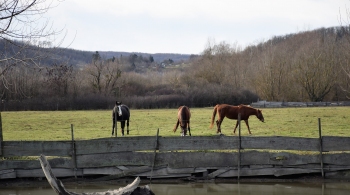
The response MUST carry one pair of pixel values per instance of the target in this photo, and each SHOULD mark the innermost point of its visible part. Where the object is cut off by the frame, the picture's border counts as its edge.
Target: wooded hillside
(306, 66)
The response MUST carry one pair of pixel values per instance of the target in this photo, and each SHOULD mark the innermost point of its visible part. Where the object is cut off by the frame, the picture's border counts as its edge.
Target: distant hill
(76, 57)
(158, 57)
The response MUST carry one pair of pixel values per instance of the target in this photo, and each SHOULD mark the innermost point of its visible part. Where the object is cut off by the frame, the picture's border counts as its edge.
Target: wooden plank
(36, 148)
(115, 159)
(267, 172)
(183, 170)
(122, 144)
(218, 172)
(231, 143)
(102, 171)
(115, 144)
(198, 143)
(129, 172)
(333, 143)
(195, 159)
(34, 164)
(59, 172)
(336, 159)
(280, 143)
(7, 174)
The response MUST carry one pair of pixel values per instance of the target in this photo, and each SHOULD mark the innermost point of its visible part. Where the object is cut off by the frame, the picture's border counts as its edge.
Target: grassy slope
(56, 125)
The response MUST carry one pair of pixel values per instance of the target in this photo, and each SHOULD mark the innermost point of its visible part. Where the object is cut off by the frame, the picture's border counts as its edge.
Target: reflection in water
(205, 188)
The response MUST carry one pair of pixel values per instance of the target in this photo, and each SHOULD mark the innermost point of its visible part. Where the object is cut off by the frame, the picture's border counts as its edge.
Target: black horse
(121, 113)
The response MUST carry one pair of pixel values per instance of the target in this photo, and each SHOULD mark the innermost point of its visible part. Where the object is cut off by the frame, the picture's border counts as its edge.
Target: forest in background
(306, 66)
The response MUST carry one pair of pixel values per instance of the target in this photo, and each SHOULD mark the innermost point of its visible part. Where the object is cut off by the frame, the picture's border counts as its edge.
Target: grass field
(56, 125)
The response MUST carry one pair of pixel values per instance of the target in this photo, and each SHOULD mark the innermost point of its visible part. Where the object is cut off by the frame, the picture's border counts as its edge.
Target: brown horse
(231, 112)
(183, 119)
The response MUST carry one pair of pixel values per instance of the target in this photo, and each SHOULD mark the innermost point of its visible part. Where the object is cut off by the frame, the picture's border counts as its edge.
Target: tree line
(306, 66)
(37, 74)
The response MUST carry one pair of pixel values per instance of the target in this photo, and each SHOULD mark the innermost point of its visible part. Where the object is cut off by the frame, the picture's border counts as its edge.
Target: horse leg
(122, 124)
(189, 128)
(246, 122)
(183, 131)
(127, 127)
(113, 127)
(218, 125)
(234, 131)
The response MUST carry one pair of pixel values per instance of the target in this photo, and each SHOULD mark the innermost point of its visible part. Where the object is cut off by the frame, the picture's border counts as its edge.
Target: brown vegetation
(307, 66)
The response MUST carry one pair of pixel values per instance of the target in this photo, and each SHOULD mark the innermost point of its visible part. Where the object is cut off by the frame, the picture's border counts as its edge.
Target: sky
(187, 26)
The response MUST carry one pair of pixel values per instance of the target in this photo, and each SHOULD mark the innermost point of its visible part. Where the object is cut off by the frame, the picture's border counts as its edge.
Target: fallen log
(58, 187)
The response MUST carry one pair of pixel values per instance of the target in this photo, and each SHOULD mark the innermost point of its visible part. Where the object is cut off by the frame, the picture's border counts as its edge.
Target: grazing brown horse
(183, 119)
(231, 112)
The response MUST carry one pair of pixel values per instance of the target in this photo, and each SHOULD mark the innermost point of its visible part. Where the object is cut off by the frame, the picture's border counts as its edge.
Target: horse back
(184, 114)
(230, 111)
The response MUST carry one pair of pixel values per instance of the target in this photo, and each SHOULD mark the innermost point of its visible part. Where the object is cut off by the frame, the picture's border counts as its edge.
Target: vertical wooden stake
(239, 146)
(154, 156)
(74, 157)
(1, 138)
(321, 150)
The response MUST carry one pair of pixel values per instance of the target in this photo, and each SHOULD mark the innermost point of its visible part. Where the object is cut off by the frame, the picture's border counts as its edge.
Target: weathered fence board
(35, 148)
(198, 143)
(267, 171)
(115, 144)
(198, 159)
(280, 143)
(7, 174)
(34, 164)
(112, 145)
(58, 172)
(332, 143)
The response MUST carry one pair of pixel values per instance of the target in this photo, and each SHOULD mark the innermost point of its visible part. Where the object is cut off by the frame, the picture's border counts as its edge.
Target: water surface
(203, 188)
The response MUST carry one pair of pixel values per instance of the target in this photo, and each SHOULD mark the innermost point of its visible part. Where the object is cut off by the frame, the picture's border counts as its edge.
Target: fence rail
(266, 104)
(199, 156)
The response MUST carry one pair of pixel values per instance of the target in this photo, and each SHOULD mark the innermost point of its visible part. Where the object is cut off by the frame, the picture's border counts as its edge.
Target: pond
(204, 188)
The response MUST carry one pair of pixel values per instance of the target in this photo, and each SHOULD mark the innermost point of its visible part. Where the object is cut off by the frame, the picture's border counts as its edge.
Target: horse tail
(213, 117)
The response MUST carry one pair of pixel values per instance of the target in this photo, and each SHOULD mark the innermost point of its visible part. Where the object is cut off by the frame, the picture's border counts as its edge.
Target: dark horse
(183, 119)
(120, 113)
(231, 112)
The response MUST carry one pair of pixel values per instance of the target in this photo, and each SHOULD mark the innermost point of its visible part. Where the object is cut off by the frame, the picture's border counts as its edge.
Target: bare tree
(103, 74)
(318, 67)
(23, 34)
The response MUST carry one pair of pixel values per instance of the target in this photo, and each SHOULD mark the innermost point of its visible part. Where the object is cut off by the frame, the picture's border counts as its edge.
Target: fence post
(155, 153)
(239, 146)
(321, 150)
(1, 137)
(74, 158)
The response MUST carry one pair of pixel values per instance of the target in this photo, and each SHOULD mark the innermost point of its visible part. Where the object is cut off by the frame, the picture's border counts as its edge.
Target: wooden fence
(266, 104)
(205, 157)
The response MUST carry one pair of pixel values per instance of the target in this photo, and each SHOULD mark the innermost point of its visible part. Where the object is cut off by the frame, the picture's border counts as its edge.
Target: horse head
(259, 115)
(119, 110)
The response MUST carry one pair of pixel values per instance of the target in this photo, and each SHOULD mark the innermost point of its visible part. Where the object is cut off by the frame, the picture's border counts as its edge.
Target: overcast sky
(186, 26)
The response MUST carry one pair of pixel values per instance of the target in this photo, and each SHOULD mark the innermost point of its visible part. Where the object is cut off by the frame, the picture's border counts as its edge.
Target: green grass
(56, 125)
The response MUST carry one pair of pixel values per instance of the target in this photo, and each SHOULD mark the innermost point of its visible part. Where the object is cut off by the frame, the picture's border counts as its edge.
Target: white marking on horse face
(120, 110)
